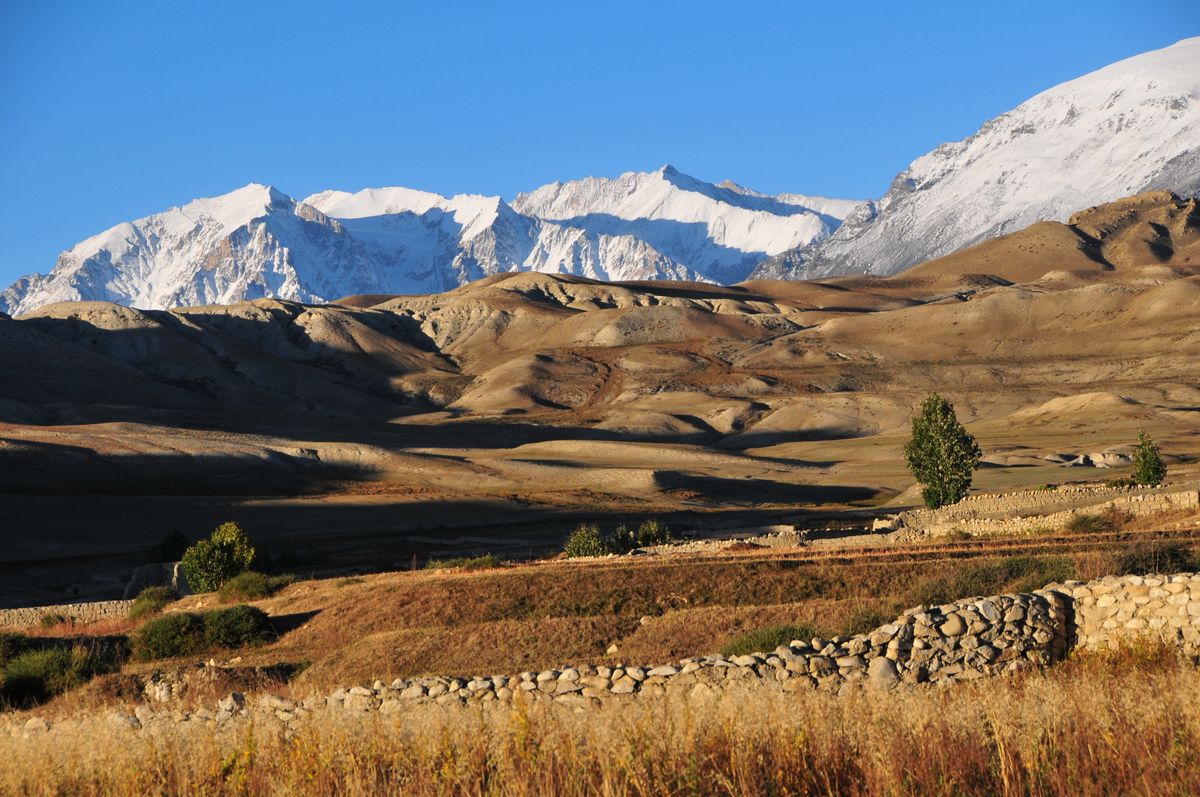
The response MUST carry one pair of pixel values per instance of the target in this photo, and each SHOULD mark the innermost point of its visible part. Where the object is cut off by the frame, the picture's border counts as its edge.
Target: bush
(150, 601)
(465, 563)
(187, 634)
(1109, 520)
(210, 563)
(765, 640)
(176, 634)
(252, 585)
(651, 532)
(1124, 483)
(1148, 467)
(1157, 557)
(51, 619)
(32, 670)
(587, 540)
(237, 626)
(941, 454)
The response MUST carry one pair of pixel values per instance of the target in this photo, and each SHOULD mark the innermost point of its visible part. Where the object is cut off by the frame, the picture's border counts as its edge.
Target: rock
(233, 704)
(36, 725)
(882, 672)
(953, 626)
(662, 672)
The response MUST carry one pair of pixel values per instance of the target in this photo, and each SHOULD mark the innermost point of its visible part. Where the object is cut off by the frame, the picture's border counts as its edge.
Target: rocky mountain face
(257, 242)
(1131, 127)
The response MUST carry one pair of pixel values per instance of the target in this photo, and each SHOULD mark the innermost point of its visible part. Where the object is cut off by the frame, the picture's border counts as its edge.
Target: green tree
(210, 563)
(941, 454)
(1148, 467)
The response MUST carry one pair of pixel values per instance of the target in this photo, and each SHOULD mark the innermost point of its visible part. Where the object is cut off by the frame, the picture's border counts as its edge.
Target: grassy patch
(1157, 557)
(764, 640)
(188, 634)
(1020, 573)
(34, 669)
(252, 585)
(151, 601)
(465, 563)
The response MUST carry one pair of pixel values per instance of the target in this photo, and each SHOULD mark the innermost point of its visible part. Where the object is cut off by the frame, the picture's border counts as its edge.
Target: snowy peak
(1130, 127)
(257, 241)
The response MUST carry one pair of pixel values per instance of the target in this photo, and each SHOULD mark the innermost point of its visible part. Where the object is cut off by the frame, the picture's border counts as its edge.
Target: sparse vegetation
(1149, 470)
(765, 640)
(1157, 557)
(210, 563)
(187, 633)
(1021, 573)
(1102, 724)
(1123, 483)
(941, 454)
(464, 563)
(34, 669)
(1109, 520)
(589, 540)
(151, 600)
(51, 619)
(866, 619)
(252, 585)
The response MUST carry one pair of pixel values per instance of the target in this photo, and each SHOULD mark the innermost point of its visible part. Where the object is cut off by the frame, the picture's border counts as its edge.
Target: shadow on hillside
(761, 490)
(286, 623)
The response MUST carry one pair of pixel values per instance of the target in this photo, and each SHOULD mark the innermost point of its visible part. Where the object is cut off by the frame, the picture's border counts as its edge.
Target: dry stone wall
(1016, 513)
(926, 647)
(80, 613)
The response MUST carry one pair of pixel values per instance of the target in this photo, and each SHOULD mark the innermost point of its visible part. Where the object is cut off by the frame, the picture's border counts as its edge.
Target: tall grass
(1097, 727)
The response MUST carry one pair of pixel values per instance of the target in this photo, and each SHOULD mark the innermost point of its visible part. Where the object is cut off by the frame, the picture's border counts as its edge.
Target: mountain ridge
(257, 241)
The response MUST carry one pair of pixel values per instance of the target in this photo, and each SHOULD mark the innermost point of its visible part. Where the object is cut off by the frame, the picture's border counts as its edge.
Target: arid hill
(506, 409)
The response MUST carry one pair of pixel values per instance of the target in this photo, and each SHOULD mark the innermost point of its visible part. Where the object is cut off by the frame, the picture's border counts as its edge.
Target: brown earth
(379, 431)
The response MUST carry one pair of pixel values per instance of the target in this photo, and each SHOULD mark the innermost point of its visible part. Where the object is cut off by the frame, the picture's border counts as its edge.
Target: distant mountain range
(1127, 128)
(258, 242)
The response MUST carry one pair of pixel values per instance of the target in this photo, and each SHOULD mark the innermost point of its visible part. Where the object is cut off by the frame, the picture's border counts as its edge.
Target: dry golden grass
(1125, 723)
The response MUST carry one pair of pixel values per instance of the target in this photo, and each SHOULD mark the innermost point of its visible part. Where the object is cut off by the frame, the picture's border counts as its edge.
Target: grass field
(1117, 723)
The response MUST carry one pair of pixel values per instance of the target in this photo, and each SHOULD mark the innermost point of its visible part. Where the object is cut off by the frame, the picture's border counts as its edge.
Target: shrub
(1121, 483)
(651, 532)
(765, 640)
(187, 634)
(34, 670)
(170, 549)
(1083, 523)
(1148, 467)
(1111, 519)
(51, 619)
(465, 563)
(253, 585)
(1157, 557)
(176, 634)
(237, 626)
(210, 563)
(151, 600)
(588, 540)
(941, 454)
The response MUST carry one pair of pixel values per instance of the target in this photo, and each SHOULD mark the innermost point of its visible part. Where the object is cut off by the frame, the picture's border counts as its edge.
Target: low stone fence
(926, 647)
(976, 517)
(79, 613)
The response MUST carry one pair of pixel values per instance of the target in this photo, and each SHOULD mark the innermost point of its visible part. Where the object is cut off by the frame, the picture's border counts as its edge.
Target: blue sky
(111, 111)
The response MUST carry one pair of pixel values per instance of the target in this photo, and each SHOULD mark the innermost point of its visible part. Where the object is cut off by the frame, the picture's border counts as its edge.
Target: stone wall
(989, 515)
(80, 613)
(926, 647)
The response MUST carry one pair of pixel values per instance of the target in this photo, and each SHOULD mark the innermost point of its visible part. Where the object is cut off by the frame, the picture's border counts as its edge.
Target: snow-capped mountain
(257, 242)
(1127, 128)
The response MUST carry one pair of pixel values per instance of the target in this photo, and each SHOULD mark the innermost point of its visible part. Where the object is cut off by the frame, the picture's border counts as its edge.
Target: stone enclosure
(926, 647)
(1030, 511)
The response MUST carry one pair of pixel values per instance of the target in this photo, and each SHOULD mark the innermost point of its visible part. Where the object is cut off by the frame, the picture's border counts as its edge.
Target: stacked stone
(937, 645)
(1111, 610)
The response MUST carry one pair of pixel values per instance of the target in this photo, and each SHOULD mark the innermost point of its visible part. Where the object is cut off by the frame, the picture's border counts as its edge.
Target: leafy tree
(1148, 467)
(587, 540)
(210, 563)
(941, 454)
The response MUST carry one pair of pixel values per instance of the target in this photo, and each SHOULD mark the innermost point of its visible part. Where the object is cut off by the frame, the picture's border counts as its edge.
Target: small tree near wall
(941, 454)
